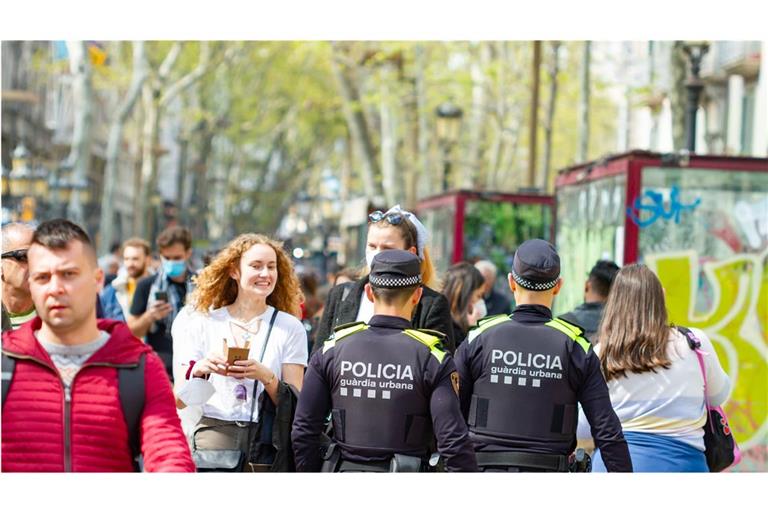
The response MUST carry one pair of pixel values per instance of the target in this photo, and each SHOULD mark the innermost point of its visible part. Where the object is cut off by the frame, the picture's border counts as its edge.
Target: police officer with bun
(390, 389)
(523, 375)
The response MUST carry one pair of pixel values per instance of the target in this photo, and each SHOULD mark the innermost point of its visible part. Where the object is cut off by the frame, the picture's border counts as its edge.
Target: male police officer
(522, 376)
(386, 385)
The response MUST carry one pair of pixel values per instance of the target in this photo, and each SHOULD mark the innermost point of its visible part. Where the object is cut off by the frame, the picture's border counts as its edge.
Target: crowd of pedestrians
(390, 367)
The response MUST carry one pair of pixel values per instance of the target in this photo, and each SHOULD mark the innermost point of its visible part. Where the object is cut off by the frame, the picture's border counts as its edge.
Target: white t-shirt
(669, 401)
(196, 334)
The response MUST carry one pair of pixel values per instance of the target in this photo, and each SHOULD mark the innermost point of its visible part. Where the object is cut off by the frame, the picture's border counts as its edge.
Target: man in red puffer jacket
(63, 409)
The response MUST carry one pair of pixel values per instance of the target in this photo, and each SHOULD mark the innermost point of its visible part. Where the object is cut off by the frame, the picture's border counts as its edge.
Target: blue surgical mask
(174, 268)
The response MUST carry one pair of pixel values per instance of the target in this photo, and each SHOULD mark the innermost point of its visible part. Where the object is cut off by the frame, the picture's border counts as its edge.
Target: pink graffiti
(728, 235)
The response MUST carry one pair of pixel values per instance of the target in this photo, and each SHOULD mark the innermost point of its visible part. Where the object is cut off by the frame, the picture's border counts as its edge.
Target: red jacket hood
(122, 348)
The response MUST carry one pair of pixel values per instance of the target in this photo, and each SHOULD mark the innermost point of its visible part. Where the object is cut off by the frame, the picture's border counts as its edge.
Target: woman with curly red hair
(247, 298)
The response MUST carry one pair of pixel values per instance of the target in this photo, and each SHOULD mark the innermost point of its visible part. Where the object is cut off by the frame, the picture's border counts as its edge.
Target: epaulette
(485, 324)
(433, 332)
(341, 327)
(342, 331)
(570, 320)
(432, 339)
(573, 331)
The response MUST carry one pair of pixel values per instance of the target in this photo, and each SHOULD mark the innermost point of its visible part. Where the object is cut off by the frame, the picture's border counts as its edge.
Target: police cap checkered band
(536, 265)
(395, 269)
(394, 282)
(531, 285)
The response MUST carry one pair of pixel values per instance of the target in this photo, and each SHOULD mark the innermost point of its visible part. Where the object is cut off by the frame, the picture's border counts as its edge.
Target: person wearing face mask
(159, 298)
(463, 286)
(347, 303)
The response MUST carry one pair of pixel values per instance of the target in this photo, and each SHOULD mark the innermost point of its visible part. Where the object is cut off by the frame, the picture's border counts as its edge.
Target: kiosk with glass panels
(701, 223)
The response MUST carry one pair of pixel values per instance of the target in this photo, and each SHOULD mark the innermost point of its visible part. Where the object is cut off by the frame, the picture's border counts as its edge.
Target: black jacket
(497, 304)
(587, 316)
(388, 391)
(433, 312)
(272, 443)
(542, 371)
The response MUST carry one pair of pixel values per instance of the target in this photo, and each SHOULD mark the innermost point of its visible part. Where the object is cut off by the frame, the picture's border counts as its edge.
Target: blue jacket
(110, 306)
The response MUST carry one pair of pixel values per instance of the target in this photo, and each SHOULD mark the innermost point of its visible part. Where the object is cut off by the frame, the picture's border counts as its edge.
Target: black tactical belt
(557, 463)
(348, 466)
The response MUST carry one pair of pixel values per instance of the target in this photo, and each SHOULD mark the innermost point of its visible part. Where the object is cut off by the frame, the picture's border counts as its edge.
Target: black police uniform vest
(523, 392)
(378, 392)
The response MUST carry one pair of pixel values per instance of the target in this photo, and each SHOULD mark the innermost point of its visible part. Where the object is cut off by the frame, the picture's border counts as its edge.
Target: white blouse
(670, 401)
(195, 335)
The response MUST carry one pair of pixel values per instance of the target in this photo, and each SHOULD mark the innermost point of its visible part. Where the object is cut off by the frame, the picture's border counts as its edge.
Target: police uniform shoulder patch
(455, 382)
(485, 324)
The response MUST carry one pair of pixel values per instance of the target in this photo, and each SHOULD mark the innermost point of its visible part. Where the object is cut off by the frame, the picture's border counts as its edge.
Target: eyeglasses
(18, 255)
(393, 218)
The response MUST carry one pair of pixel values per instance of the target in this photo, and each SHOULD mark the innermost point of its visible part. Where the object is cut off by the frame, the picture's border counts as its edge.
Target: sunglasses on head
(18, 255)
(393, 218)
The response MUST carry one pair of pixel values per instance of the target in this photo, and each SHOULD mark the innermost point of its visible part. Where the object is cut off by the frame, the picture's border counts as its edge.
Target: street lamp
(695, 50)
(448, 123)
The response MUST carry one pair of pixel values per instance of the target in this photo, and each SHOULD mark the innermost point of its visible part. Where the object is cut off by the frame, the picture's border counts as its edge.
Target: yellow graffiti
(737, 324)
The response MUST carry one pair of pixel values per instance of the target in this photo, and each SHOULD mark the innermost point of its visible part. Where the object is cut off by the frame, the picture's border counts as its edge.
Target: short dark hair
(601, 276)
(393, 296)
(59, 233)
(174, 235)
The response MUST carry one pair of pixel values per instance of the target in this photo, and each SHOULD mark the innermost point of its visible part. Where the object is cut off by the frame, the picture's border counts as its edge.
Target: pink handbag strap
(695, 345)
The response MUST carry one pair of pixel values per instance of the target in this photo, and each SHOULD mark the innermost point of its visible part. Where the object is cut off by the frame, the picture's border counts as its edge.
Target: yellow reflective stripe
(583, 342)
(483, 326)
(492, 318)
(349, 330)
(569, 332)
(574, 329)
(428, 340)
(343, 333)
(560, 327)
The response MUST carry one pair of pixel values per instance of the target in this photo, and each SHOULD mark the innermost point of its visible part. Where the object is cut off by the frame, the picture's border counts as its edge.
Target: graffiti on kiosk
(656, 207)
(753, 221)
(737, 324)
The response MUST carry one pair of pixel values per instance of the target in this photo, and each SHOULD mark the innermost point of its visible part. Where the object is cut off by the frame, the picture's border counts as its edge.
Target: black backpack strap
(131, 388)
(8, 366)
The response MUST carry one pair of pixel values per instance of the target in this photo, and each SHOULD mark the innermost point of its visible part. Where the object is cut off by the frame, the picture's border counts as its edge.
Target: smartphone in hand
(161, 296)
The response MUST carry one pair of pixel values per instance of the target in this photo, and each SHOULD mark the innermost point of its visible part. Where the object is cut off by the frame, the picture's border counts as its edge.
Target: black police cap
(536, 265)
(395, 269)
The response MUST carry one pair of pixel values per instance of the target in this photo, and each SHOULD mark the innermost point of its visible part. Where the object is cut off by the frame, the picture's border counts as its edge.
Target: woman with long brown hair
(464, 286)
(393, 229)
(654, 378)
(241, 336)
